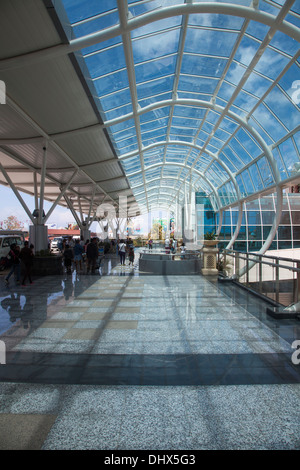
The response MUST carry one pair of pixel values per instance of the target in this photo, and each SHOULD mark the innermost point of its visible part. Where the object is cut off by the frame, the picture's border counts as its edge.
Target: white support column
(42, 187)
(221, 212)
(38, 233)
(80, 209)
(36, 193)
(85, 233)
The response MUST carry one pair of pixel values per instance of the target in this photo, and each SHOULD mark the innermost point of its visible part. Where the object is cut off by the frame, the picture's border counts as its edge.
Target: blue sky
(61, 216)
(11, 206)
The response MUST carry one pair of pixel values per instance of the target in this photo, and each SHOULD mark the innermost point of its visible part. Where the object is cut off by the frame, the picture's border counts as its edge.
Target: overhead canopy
(150, 99)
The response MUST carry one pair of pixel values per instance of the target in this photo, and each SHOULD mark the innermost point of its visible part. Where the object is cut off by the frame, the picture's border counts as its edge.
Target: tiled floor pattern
(171, 320)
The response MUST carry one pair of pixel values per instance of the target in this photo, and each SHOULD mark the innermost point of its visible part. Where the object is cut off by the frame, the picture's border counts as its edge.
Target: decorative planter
(210, 257)
(210, 242)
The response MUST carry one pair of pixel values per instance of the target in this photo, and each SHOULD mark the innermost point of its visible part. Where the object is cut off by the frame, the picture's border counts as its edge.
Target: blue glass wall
(206, 216)
(257, 221)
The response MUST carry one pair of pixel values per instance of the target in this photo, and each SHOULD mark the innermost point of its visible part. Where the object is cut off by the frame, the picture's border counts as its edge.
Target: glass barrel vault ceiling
(195, 95)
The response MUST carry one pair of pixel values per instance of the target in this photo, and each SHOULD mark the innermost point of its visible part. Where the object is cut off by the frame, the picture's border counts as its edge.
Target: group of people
(171, 247)
(20, 262)
(76, 252)
(126, 247)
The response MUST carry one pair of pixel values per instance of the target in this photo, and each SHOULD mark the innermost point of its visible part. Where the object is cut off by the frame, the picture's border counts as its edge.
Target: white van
(7, 238)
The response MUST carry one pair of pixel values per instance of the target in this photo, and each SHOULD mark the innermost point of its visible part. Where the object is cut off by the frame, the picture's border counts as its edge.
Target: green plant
(138, 242)
(210, 236)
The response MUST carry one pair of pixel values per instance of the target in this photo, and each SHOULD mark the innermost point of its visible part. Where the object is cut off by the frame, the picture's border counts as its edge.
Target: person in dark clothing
(26, 256)
(92, 255)
(68, 257)
(14, 257)
(122, 252)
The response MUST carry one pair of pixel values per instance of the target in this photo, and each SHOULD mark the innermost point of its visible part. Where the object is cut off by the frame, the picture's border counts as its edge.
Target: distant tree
(12, 223)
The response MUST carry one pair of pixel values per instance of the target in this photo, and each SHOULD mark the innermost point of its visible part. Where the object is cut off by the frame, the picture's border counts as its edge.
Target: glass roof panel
(283, 43)
(265, 172)
(106, 61)
(283, 108)
(111, 82)
(165, 61)
(158, 45)
(210, 20)
(209, 42)
(197, 84)
(138, 7)
(155, 87)
(94, 24)
(78, 10)
(290, 157)
(161, 67)
(114, 100)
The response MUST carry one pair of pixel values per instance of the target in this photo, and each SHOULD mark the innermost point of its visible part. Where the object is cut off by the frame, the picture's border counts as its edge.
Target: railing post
(247, 269)
(277, 280)
(260, 273)
(237, 264)
(297, 287)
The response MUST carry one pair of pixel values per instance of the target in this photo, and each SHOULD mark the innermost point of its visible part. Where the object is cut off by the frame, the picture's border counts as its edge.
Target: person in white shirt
(122, 252)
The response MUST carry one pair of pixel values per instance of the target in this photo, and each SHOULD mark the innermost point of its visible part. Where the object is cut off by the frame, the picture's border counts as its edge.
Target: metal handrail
(253, 259)
(265, 256)
(290, 268)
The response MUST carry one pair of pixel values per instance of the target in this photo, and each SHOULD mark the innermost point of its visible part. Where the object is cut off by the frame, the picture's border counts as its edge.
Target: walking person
(174, 248)
(78, 251)
(68, 258)
(131, 255)
(26, 256)
(92, 255)
(14, 259)
(122, 252)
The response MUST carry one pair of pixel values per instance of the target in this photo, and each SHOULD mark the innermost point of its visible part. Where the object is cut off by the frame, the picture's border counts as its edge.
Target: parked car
(55, 243)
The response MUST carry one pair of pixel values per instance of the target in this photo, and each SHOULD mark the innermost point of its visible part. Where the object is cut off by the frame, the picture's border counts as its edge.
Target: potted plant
(210, 239)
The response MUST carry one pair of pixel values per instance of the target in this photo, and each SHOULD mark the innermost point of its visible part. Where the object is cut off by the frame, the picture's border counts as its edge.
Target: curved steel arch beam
(270, 238)
(175, 178)
(181, 165)
(272, 232)
(271, 235)
(75, 45)
(214, 107)
(237, 228)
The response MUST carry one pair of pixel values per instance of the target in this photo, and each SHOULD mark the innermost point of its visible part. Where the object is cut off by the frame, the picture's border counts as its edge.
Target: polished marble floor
(120, 360)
